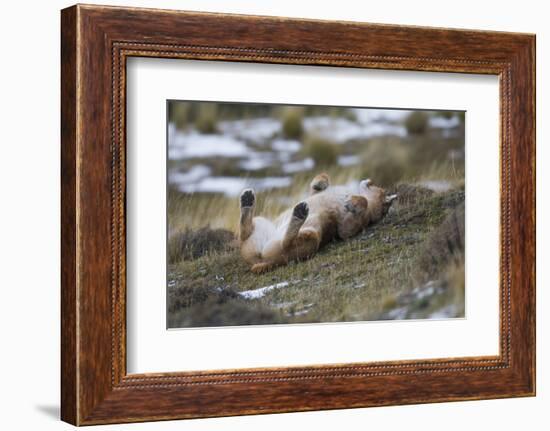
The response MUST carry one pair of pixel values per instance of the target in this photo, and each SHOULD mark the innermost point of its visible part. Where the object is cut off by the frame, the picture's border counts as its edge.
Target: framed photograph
(265, 215)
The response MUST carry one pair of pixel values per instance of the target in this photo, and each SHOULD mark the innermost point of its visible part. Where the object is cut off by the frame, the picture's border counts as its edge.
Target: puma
(329, 213)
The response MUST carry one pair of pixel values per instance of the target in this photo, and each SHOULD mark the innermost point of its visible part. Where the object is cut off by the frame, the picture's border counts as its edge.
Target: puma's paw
(320, 182)
(349, 207)
(301, 211)
(247, 198)
(260, 268)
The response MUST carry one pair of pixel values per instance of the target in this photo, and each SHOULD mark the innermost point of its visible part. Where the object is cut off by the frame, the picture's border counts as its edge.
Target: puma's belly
(281, 223)
(264, 231)
(329, 200)
(326, 207)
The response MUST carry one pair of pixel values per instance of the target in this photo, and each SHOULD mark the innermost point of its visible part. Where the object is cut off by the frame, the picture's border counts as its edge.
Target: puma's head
(379, 201)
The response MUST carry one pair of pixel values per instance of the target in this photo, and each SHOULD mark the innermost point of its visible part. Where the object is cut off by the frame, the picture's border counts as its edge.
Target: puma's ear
(391, 198)
(365, 184)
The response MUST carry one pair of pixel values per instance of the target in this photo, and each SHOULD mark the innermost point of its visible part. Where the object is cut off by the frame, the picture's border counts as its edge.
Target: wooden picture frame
(95, 43)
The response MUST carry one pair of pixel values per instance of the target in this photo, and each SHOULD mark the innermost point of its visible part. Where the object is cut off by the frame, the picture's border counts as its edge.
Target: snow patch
(257, 130)
(348, 160)
(193, 145)
(262, 291)
(257, 161)
(285, 145)
(366, 115)
(300, 166)
(194, 174)
(438, 186)
(444, 123)
(341, 130)
(233, 186)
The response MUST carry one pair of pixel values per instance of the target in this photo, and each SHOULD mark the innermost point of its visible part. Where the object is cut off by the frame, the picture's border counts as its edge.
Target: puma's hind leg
(302, 241)
(279, 251)
(299, 215)
(305, 245)
(299, 242)
(248, 204)
(319, 183)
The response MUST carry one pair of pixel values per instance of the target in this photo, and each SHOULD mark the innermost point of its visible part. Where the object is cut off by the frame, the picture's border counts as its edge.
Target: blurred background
(215, 150)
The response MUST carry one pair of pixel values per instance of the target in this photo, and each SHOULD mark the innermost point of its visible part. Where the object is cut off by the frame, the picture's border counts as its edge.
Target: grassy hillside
(410, 265)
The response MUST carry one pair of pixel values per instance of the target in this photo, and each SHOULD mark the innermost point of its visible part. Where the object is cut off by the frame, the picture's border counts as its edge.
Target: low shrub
(192, 244)
(292, 123)
(410, 194)
(445, 114)
(224, 313)
(190, 294)
(323, 152)
(455, 277)
(207, 118)
(386, 161)
(178, 114)
(445, 246)
(417, 123)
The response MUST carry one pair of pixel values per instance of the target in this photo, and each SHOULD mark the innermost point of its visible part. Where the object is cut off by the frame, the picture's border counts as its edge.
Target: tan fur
(298, 233)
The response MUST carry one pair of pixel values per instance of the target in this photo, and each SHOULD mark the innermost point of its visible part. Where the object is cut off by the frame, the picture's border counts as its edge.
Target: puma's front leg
(248, 204)
(319, 183)
(354, 218)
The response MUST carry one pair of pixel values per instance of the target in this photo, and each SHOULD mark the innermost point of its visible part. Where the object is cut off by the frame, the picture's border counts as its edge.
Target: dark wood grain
(69, 365)
(96, 41)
